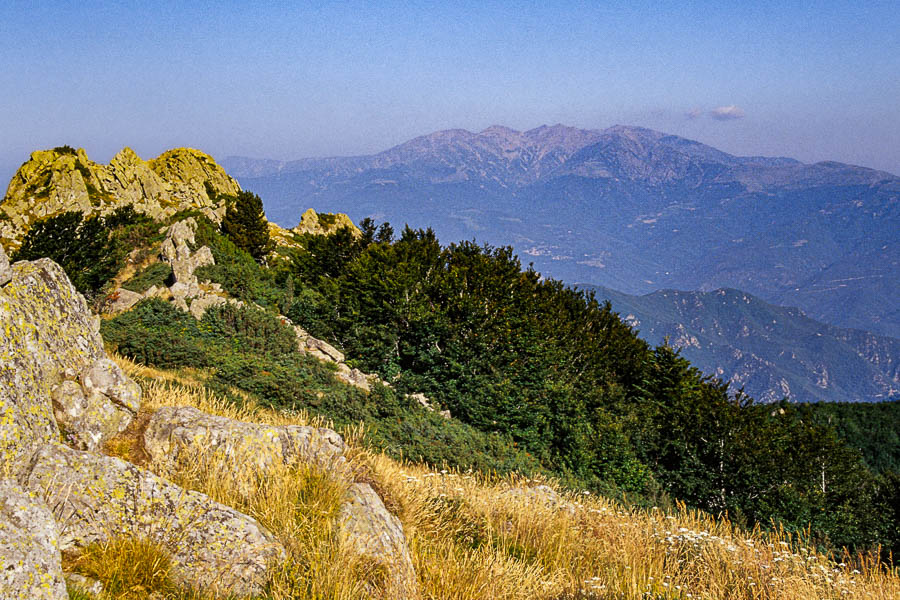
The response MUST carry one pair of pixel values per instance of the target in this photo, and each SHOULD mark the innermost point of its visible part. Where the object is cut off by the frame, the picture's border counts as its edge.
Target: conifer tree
(246, 225)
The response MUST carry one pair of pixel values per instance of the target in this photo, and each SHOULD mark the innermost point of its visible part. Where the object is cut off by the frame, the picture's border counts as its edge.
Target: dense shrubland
(540, 379)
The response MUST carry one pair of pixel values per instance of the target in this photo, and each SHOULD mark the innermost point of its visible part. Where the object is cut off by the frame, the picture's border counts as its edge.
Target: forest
(539, 377)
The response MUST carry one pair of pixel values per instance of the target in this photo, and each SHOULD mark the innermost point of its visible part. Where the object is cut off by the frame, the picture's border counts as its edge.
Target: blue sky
(814, 81)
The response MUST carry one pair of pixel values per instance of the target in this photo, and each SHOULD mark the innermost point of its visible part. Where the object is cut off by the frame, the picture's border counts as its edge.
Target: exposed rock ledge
(55, 497)
(54, 181)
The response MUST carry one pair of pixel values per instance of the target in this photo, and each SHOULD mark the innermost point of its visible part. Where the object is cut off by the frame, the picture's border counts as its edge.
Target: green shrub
(84, 248)
(156, 274)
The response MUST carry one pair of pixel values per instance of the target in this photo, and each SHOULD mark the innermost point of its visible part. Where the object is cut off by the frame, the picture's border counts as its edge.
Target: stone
(354, 377)
(325, 224)
(323, 350)
(372, 531)
(172, 430)
(176, 251)
(5, 269)
(85, 584)
(93, 497)
(98, 408)
(30, 560)
(47, 335)
(202, 303)
(121, 300)
(55, 181)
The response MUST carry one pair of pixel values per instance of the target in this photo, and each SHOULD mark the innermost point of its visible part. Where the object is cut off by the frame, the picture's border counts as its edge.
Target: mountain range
(627, 208)
(637, 210)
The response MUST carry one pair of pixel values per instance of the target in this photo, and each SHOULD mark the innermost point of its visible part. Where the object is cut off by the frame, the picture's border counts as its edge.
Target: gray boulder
(172, 430)
(202, 303)
(373, 532)
(5, 269)
(121, 300)
(93, 497)
(30, 562)
(47, 336)
(98, 407)
(176, 250)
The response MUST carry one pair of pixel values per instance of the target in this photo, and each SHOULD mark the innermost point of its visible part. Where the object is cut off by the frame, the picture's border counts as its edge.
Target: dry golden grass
(478, 538)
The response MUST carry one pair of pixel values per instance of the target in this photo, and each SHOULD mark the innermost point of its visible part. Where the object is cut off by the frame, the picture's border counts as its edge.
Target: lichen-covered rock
(97, 407)
(204, 302)
(51, 350)
(46, 332)
(30, 562)
(94, 497)
(5, 268)
(354, 377)
(171, 430)
(121, 300)
(54, 181)
(324, 224)
(373, 532)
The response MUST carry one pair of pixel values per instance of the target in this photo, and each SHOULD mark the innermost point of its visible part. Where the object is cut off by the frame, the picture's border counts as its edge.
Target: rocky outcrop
(364, 523)
(372, 531)
(48, 337)
(5, 269)
(97, 406)
(63, 179)
(30, 560)
(171, 430)
(96, 497)
(323, 224)
(187, 292)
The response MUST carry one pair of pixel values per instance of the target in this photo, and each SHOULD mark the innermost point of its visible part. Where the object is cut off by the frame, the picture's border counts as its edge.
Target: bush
(83, 247)
(156, 274)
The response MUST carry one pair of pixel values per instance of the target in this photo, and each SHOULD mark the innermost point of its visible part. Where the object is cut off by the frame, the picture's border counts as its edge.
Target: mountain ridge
(628, 208)
(770, 351)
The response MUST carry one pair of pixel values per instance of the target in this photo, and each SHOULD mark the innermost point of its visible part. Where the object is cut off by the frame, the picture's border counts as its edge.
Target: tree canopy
(246, 225)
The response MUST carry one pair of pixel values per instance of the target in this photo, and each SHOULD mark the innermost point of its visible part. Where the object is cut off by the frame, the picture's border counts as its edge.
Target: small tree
(83, 247)
(246, 225)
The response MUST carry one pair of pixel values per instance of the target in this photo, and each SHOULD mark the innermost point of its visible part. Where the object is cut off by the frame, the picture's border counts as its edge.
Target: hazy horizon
(287, 81)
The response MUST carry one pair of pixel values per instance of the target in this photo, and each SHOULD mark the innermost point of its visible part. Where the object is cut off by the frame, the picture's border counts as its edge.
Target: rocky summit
(65, 179)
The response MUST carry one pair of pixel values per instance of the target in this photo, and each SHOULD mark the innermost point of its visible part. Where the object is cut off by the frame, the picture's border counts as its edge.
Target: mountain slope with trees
(772, 352)
(540, 378)
(631, 209)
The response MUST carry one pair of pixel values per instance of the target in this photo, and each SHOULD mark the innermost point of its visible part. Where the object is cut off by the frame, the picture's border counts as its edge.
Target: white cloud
(727, 113)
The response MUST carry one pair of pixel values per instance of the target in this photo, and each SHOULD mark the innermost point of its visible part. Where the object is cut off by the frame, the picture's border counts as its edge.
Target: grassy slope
(476, 537)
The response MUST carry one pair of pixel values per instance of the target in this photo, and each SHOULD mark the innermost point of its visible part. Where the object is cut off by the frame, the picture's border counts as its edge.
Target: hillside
(772, 352)
(452, 356)
(628, 208)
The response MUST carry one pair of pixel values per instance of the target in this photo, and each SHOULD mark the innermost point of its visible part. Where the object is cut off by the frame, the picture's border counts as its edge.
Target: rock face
(5, 269)
(30, 562)
(372, 531)
(324, 224)
(50, 347)
(54, 181)
(176, 251)
(96, 407)
(94, 497)
(170, 430)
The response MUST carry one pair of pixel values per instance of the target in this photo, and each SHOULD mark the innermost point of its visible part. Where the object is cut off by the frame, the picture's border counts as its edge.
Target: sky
(810, 80)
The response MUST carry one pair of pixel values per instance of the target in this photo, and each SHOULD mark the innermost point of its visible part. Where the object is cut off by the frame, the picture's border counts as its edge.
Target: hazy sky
(287, 80)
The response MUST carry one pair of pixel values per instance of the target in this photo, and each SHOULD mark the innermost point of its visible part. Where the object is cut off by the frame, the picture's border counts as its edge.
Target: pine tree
(246, 225)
